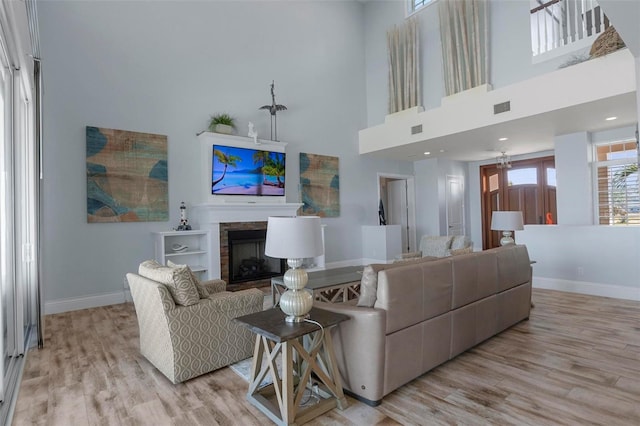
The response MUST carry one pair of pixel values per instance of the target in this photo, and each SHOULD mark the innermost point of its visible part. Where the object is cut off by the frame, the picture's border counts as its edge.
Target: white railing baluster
(559, 23)
(566, 30)
(538, 48)
(601, 28)
(583, 25)
(576, 22)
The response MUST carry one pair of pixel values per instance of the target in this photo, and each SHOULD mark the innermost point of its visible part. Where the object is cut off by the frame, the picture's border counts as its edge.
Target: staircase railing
(559, 23)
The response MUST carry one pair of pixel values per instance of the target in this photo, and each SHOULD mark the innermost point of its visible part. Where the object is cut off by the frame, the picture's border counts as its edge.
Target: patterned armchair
(186, 341)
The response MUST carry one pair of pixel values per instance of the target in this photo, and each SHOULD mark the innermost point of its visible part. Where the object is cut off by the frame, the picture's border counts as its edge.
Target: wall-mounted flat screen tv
(244, 171)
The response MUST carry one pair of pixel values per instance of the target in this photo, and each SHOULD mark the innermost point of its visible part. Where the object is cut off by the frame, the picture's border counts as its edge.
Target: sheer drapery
(404, 66)
(463, 30)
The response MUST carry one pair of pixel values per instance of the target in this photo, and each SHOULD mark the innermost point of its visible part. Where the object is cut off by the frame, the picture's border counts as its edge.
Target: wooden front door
(528, 186)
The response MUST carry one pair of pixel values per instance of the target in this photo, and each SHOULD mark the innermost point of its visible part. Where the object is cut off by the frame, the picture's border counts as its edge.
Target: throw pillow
(369, 286)
(202, 291)
(459, 242)
(435, 246)
(177, 280)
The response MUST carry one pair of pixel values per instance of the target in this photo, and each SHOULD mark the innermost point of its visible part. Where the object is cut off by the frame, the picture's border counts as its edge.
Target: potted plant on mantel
(222, 123)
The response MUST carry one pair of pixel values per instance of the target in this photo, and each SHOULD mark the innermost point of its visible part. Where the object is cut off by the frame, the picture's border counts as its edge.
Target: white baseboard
(594, 289)
(85, 302)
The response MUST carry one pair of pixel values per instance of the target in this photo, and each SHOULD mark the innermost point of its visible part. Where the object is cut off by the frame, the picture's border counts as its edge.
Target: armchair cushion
(177, 280)
(202, 291)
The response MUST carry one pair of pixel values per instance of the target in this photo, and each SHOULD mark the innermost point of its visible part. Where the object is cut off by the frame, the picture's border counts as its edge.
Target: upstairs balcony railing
(565, 25)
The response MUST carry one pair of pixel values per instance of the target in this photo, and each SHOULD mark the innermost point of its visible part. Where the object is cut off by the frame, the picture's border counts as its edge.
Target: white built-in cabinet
(197, 255)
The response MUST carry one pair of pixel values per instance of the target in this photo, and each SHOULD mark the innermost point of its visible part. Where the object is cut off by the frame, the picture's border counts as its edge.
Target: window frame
(411, 9)
(595, 181)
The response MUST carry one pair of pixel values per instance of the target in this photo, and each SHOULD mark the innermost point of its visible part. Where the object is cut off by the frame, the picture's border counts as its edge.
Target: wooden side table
(305, 348)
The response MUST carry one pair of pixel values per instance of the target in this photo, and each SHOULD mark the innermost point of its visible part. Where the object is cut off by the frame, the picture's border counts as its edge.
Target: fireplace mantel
(241, 212)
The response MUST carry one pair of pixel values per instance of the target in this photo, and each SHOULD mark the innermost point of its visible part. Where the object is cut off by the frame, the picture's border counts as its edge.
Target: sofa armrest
(360, 349)
(226, 301)
(214, 286)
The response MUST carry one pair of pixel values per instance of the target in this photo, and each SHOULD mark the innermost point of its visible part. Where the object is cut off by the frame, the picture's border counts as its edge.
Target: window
(416, 5)
(528, 176)
(616, 183)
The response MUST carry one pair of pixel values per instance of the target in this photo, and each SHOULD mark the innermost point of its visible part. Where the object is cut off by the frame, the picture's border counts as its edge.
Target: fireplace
(247, 261)
(238, 264)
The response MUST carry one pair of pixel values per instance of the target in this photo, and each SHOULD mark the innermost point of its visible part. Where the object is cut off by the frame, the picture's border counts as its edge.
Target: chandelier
(503, 161)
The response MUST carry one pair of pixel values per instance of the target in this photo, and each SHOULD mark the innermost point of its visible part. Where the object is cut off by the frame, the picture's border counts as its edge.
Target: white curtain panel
(464, 35)
(404, 66)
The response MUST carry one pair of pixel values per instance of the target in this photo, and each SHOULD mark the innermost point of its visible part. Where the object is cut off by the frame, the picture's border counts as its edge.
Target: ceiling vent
(503, 107)
(416, 129)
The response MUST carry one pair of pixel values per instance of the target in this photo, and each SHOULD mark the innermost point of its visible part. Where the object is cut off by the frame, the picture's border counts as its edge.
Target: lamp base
(296, 318)
(296, 302)
(506, 239)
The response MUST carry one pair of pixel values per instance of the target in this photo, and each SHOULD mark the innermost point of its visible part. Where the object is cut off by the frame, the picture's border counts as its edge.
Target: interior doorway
(455, 205)
(397, 195)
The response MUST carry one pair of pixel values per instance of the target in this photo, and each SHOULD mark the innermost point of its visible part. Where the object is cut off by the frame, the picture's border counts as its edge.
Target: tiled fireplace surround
(220, 218)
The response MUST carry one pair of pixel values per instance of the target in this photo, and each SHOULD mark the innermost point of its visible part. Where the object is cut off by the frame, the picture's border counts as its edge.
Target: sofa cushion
(202, 291)
(435, 245)
(177, 280)
(410, 297)
(369, 282)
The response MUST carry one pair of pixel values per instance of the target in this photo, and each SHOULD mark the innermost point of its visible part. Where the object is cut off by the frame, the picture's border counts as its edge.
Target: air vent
(503, 107)
(416, 129)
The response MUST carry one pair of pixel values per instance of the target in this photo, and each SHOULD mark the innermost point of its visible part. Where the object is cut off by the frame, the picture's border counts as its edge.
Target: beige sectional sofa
(426, 313)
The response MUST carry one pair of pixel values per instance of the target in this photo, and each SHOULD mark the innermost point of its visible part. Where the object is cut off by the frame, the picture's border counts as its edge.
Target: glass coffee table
(328, 285)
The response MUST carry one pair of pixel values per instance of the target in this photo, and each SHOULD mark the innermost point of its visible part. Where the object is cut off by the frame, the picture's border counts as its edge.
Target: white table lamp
(507, 221)
(294, 238)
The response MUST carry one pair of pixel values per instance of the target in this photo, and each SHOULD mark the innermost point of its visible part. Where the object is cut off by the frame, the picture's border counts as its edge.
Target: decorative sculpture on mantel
(273, 109)
(184, 222)
(253, 133)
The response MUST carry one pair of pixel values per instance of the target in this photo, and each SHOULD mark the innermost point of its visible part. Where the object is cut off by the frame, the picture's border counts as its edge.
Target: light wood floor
(575, 362)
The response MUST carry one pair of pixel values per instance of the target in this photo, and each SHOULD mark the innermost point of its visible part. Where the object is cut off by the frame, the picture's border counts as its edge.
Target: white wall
(165, 67)
(573, 174)
(431, 212)
(427, 198)
(578, 255)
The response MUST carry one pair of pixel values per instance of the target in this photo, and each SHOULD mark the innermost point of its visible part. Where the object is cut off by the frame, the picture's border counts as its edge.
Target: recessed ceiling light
(427, 153)
(503, 139)
(442, 150)
(611, 118)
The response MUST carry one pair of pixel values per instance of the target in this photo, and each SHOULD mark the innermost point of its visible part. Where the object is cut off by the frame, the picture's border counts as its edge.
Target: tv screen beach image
(243, 171)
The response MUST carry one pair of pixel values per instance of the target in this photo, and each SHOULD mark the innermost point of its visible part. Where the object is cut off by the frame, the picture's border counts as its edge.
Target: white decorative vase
(224, 128)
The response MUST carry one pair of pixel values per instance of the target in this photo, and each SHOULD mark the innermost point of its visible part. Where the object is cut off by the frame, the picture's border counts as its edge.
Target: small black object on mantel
(273, 109)
(184, 223)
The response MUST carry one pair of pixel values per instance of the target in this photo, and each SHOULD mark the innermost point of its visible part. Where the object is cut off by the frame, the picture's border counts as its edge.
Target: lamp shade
(294, 237)
(507, 221)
